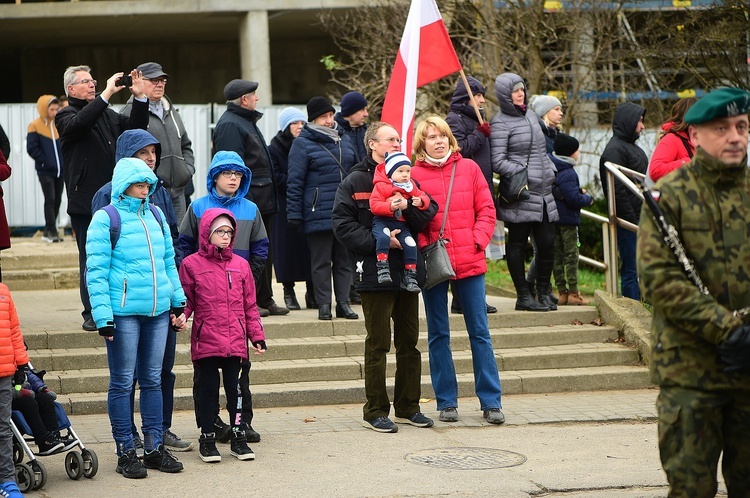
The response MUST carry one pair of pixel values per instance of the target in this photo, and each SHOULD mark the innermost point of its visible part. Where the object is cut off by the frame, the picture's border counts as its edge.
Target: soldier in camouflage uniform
(700, 349)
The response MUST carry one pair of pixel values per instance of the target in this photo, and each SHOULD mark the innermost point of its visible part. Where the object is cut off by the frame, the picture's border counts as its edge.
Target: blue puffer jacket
(569, 207)
(317, 164)
(138, 276)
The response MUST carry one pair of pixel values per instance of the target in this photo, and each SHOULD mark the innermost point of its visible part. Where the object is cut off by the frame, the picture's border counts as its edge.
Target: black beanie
(317, 106)
(565, 145)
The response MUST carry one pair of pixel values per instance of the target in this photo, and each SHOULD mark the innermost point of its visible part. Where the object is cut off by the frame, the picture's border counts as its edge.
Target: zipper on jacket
(315, 199)
(229, 277)
(151, 257)
(124, 292)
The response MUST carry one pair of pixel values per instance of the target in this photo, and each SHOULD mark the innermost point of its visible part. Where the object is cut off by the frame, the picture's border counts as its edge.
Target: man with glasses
(227, 182)
(176, 166)
(237, 130)
(88, 131)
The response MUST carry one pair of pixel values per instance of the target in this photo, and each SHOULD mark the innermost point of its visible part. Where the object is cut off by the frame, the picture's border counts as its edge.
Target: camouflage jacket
(708, 203)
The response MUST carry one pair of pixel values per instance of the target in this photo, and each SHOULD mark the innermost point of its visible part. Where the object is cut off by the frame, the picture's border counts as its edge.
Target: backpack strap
(115, 222)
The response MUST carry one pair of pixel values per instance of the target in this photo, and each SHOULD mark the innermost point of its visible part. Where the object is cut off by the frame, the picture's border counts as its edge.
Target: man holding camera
(88, 134)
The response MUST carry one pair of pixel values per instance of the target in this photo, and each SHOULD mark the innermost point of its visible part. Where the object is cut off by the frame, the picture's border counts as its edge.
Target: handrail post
(610, 236)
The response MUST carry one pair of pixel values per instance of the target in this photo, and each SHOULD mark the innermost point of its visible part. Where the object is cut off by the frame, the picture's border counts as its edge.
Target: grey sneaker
(417, 420)
(381, 424)
(494, 416)
(449, 414)
(174, 443)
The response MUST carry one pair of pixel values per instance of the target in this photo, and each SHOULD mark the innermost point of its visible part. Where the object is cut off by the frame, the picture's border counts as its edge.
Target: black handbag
(515, 187)
(436, 261)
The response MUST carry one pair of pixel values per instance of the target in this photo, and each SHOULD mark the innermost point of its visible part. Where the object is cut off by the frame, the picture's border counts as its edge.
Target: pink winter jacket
(220, 294)
(471, 213)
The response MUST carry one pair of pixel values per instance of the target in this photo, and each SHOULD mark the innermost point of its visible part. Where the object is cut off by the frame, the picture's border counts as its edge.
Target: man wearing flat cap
(177, 163)
(700, 341)
(237, 131)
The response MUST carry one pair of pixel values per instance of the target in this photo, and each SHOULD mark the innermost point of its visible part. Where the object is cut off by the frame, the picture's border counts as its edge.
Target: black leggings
(517, 242)
(208, 392)
(39, 413)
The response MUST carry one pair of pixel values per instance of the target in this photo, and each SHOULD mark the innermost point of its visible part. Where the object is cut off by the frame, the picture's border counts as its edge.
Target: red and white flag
(426, 54)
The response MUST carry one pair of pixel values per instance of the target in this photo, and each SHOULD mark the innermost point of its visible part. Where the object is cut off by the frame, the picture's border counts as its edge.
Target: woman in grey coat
(517, 142)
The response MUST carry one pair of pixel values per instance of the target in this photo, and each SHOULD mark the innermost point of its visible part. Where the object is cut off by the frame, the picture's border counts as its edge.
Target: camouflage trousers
(565, 266)
(694, 428)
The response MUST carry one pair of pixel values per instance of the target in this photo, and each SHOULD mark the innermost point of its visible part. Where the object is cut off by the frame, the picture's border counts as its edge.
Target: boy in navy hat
(393, 193)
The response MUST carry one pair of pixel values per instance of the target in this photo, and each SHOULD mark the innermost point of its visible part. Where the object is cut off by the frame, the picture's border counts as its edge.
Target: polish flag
(426, 54)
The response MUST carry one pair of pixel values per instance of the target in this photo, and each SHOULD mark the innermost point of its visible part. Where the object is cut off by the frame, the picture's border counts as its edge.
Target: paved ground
(600, 444)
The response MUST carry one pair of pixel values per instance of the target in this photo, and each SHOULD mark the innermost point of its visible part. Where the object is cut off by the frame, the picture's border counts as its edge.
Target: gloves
(45, 389)
(484, 129)
(178, 310)
(294, 225)
(260, 344)
(23, 393)
(20, 376)
(107, 331)
(735, 351)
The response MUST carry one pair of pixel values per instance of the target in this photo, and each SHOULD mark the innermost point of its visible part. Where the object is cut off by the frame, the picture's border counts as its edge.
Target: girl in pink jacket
(220, 293)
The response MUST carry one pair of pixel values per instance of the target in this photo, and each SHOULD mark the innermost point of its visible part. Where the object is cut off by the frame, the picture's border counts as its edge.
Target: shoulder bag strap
(338, 161)
(448, 200)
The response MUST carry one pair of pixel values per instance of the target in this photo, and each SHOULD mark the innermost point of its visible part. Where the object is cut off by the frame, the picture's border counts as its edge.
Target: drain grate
(466, 458)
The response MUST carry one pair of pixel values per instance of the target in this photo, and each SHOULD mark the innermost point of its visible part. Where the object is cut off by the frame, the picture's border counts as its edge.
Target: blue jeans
(138, 340)
(167, 384)
(442, 370)
(626, 246)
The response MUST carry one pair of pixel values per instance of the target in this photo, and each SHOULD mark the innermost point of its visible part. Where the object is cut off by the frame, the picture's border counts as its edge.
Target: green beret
(721, 103)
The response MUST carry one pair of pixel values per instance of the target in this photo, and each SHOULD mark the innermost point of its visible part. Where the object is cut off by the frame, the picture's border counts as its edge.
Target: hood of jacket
(129, 170)
(460, 100)
(41, 106)
(504, 90)
(131, 141)
(205, 247)
(228, 160)
(626, 119)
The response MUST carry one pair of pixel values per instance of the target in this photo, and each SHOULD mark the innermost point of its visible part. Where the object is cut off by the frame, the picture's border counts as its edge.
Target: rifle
(672, 239)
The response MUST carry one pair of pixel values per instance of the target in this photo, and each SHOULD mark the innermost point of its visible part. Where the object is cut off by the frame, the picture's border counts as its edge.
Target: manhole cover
(466, 458)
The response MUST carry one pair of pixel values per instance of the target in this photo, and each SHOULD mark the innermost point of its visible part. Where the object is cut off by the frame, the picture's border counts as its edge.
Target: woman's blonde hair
(420, 134)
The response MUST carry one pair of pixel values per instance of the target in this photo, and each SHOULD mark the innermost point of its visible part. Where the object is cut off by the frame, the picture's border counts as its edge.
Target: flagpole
(471, 96)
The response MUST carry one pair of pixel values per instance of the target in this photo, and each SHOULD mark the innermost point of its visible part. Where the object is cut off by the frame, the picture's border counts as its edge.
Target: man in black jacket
(627, 125)
(88, 134)
(237, 130)
(352, 224)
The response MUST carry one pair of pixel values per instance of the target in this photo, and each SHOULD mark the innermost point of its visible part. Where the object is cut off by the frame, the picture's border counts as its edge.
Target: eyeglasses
(391, 140)
(224, 233)
(229, 174)
(84, 82)
(156, 81)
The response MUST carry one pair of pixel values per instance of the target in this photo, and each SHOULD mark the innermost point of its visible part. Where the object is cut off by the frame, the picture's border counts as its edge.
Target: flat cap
(237, 88)
(721, 103)
(152, 70)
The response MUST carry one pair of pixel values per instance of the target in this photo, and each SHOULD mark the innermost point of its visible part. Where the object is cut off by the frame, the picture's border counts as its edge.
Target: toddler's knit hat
(395, 160)
(565, 145)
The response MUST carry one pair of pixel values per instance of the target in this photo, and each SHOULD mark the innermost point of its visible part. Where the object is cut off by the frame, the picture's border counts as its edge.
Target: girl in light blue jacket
(133, 285)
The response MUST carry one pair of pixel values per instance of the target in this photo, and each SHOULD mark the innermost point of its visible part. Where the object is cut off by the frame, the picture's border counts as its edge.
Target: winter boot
(223, 431)
(410, 281)
(525, 301)
(384, 272)
(563, 299)
(290, 298)
(545, 294)
(576, 299)
(207, 448)
(532, 288)
(238, 446)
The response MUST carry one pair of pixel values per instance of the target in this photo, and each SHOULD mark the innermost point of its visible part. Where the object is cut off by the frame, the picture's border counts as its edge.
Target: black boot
(290, 299)
(310, 302)
(532, 288)
(384, 272)
(207, 448)
(410, 281)
(324, 312)
(545, 291)
(238, 446)
(344, 311)
(525, 302)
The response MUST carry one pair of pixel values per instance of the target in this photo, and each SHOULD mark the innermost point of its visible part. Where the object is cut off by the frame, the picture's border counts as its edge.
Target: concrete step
(352, 391)
(96, 378)
(32, 253)
(41, 279)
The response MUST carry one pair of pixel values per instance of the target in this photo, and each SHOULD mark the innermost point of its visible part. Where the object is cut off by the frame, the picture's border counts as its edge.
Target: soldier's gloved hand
(735, 351)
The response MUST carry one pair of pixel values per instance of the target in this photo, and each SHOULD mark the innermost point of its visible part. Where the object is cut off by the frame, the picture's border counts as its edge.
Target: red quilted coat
(220, 294)
(471, 213)
(12, 348)
(383, 191)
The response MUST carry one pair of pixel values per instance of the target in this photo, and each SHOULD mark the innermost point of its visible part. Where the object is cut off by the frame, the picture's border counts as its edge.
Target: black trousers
(263, 291)
(516, 243)
(209, 389)
(52, 189)
(80, 225)
(39, 413)
(247, 397)
(328, 255)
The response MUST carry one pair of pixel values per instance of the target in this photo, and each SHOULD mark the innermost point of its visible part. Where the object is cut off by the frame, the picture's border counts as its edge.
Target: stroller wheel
(40, 474)
(17, 451)
(90, 463)
(24, 477)
(74, 465)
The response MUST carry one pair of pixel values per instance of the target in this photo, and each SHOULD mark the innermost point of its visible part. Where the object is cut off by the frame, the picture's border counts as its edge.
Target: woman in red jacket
(468, 228)
(674, 148)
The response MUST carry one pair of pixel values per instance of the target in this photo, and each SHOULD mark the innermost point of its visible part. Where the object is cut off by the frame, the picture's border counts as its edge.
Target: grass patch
(589, 279)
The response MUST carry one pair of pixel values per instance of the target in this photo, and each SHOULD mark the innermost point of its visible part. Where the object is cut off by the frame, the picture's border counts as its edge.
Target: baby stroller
(32, 474)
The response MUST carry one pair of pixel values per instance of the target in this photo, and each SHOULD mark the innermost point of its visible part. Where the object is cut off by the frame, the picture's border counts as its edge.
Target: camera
(124, 80)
